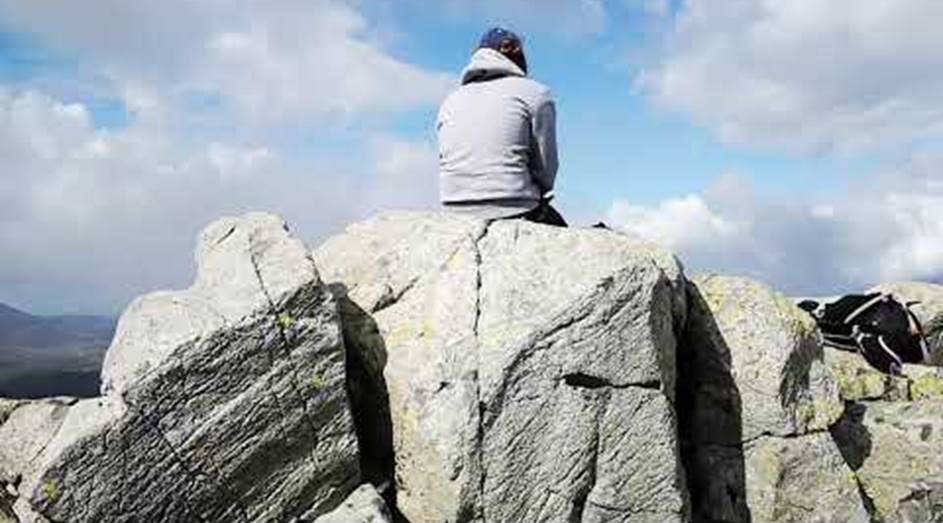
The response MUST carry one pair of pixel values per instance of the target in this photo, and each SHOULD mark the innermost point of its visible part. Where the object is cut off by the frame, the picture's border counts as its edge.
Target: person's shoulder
(537, 91)
(450, 100)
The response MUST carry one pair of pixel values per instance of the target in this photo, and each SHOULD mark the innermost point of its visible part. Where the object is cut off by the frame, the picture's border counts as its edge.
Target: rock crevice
(505, 314)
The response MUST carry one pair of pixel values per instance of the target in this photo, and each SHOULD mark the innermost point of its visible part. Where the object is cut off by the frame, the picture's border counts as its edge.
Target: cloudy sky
(796, 142)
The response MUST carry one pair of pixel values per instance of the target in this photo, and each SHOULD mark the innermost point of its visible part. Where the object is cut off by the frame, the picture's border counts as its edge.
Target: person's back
(497, 139)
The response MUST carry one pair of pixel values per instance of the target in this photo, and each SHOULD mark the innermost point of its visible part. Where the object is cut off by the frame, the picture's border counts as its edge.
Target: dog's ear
(808, 305)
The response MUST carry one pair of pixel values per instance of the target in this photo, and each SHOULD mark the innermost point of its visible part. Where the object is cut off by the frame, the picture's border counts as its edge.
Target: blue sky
(797, 144)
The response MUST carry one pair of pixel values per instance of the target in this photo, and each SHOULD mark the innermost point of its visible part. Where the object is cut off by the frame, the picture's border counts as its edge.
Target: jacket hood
(488, 64)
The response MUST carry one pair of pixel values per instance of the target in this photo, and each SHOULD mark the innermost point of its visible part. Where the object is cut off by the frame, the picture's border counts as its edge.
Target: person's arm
(544, 127)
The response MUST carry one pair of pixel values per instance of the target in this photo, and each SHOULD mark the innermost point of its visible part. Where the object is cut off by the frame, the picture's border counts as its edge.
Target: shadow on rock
(710, 419)
(369, 396)
(854, 442)
(852, 437)
(796, 374)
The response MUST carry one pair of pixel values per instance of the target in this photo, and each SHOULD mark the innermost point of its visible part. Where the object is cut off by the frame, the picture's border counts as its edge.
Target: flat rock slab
(530, 369)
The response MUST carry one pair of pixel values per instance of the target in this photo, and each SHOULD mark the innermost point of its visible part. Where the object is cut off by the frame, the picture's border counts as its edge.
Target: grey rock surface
(226, 402)
(529, 369)
(896, 450)
(803, 479)
(756, 399)
(364, 505)
(860, 382)
(771, 351)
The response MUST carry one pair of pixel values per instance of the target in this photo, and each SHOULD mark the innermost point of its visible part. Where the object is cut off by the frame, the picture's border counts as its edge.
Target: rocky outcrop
(475, 372)
(890, 436)
(890, 432)
(225, 402)
(529, 370)
(756, 402)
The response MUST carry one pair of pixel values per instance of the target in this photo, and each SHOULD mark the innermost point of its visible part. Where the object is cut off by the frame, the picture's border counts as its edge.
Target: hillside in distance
(44, 356)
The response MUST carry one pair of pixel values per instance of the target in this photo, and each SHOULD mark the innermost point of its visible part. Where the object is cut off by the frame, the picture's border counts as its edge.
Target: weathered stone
(27, 429)
(413, 284)
(896, 449)
(752, 377)
(530, 369)
(803, 479)
(226, 402)
(859, 381)
(7, 406)
(772, 352)
(929, 310)
(364, 505)
(924, 382)
(242, 265)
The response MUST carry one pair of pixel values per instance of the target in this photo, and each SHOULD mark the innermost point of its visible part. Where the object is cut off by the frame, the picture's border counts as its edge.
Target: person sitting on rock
(497, 137)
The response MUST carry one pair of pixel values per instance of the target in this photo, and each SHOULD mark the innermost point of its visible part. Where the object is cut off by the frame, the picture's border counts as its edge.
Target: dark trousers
(543, 213)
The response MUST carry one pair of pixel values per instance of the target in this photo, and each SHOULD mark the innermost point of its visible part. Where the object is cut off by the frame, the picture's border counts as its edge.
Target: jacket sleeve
(544, 128)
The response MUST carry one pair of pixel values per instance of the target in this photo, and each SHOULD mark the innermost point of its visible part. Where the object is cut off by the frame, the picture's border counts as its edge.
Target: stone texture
(929, 311)
(770, 350)
(801, 480)
(924, 382)
(26, 427)
(530, 369)
(753, 385)
(858, 381)
(226, 402)
(364, 505)
(896, 449)
(410, 284)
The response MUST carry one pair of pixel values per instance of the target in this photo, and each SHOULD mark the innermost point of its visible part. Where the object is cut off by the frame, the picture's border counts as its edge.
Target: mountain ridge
(51, 355)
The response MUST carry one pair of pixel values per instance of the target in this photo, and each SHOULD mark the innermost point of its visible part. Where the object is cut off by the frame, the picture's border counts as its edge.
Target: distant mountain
(44, 356)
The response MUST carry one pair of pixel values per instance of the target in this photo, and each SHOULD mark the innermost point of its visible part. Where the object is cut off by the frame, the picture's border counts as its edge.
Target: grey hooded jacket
(497, 140)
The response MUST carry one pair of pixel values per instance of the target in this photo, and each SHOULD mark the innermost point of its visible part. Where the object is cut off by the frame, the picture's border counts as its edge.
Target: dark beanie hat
(495, 37)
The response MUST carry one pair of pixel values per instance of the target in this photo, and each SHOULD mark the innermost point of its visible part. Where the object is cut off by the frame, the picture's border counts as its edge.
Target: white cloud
(290, 61)
(234, 163)
(308, 64)
(805, 75)
(675, 223)
(90, 218)
(888, 228)
(93, 216)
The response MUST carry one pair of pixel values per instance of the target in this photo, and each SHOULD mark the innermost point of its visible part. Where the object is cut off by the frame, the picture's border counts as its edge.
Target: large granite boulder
(225, 402)
(756, 400)
(896, 449)
(528, 370)
(929, 310)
